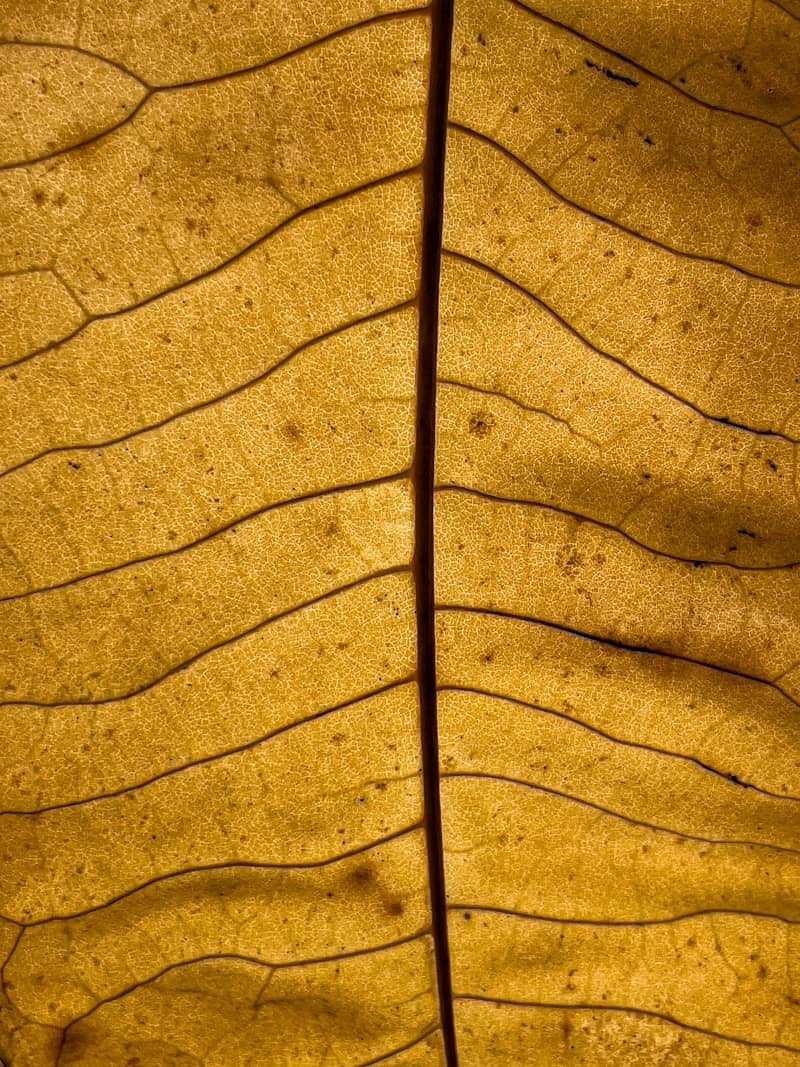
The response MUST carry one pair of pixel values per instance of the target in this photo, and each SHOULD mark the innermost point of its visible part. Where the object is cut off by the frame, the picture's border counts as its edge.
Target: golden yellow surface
(212, 829)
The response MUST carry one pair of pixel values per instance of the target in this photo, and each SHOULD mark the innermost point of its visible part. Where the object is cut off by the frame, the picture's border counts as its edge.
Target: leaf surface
(399, 538)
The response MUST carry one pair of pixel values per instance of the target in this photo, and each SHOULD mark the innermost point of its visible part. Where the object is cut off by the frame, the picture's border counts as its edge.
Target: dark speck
(611, 74)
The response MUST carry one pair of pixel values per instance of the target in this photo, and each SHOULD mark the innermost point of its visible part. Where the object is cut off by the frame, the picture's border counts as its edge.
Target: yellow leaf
(399, 533)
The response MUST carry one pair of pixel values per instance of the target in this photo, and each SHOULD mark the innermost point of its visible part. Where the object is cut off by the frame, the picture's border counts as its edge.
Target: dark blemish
(746, 533)
(648, 139)
(467, 915)
(481, 423)
(394, 907)
(610, 73)
(756, 221)
(737, 781)
(73, 466)
(686, 326)
(362, 875)
(481, 40)
(772, 466)
(39, 196)
(697, 564)
(515, 109)
(293, 432)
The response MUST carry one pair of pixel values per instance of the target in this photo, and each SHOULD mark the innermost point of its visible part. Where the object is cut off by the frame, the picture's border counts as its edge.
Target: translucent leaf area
(399, 533)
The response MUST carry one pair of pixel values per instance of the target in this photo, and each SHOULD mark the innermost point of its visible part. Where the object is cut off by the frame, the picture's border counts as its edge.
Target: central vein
(423, 479)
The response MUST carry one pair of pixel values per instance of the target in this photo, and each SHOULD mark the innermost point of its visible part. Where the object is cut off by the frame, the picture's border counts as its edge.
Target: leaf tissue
(400, 533)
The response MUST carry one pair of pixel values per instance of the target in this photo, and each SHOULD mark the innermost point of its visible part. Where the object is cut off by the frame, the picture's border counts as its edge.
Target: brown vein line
(309, 46)
(485, 776)
(54, 46)
(403, 1048)
(556, 920)
(654, 242)
(727, 778)
(494, 498)
(493, 273)
(506, 1002)
(180, 667)
(12, 950)
(433, 173)
(610, 642)
(315, 494)
(296, 216)
(219, 397)
(718, 108)
(256, 961)
(155, 90)
(785, 10)
(227, 865)
(217, 756)
(85, 143)
(519, 404)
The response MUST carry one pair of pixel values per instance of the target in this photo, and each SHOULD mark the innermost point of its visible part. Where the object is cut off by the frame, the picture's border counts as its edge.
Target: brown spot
(292, 431)
(481, 423)
(394, 906)
(569, 560)
(755, 222)
(363, 875)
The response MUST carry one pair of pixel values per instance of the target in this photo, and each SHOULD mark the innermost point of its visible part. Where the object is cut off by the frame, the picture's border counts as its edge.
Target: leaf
(400, 546)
